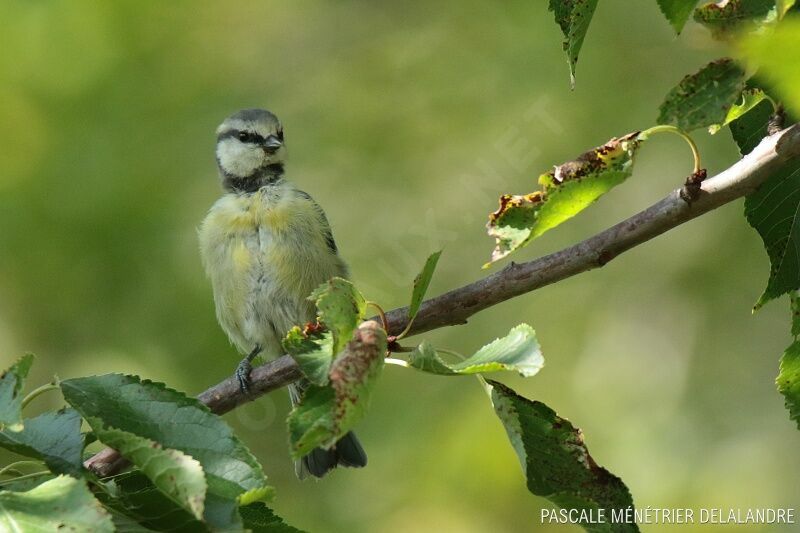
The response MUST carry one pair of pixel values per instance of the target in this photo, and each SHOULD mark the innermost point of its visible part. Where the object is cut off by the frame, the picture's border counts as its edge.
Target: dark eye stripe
(243, 136)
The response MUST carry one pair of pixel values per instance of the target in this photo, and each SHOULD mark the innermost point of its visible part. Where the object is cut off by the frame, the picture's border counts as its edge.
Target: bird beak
(271, 144)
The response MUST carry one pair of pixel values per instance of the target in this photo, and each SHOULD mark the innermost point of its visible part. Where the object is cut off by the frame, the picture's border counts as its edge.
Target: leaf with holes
(566, 191)
(152, 411)
(728, 18)
(325, 414)
(518, 351)
(340, 307)
(312, 348)
(555, 459)
(54, 437)
(677, 12)
(60, 504)
(11, 382)
(421, 283)
(703, 98)
(772, 211)
(573, 17)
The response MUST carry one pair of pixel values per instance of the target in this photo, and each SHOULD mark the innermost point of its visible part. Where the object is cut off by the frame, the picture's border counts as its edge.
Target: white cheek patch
(239, 159)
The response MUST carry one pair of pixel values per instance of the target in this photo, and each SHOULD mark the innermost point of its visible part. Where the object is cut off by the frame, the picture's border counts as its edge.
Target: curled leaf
(325, 414)
(518, 351)
(340, 307)
(312, 348)
(566, 191)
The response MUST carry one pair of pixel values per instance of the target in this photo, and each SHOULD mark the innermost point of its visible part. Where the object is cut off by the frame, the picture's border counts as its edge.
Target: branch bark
(456, 306)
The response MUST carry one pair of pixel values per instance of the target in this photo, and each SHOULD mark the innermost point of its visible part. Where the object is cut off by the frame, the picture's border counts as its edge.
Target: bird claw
(243, 375)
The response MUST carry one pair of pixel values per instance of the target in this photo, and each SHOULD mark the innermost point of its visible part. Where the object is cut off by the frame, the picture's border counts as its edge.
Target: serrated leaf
(772, 210)
(774, 54)
(340, 307)
(677, 12)
(176, 474)
(259, 518)
(137, 502)
(749, 99)
(555, 459)
(62, 504)
(170, 418)
(788, 380)
(312, 348)
(726, 18)
(518, 351)
(11, 382)
(750, 129)
(421, 283)
(566, 191)
(325, 414)
(54, 437)
(573, 17)
(703, 98)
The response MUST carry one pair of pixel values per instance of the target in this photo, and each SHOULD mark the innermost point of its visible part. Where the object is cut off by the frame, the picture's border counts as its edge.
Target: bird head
(250, 147)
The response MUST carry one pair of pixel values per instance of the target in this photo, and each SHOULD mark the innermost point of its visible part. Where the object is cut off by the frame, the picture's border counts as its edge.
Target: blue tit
(266, 245)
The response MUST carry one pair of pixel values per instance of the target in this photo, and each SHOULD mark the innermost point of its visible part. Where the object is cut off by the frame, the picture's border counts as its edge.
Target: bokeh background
(405, 121)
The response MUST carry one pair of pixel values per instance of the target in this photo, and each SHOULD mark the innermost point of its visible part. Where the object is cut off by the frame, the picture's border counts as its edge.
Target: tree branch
(456, 306)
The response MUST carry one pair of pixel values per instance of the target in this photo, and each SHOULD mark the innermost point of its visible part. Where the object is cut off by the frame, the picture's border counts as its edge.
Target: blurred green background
(406, 122)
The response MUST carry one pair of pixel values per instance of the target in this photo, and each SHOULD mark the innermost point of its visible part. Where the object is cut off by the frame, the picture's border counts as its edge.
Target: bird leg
(244, 368)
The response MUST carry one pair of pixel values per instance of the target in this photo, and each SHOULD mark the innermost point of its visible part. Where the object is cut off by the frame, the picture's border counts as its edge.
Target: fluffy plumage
(266, 246)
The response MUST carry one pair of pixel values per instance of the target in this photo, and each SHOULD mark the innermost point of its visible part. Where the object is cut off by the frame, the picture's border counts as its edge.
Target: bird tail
(346, 452)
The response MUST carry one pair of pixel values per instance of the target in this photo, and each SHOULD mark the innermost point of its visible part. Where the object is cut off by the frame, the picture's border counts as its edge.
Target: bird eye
(244, 136)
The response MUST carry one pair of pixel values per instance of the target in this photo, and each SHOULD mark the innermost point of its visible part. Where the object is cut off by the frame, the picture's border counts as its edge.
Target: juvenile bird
(266, 245)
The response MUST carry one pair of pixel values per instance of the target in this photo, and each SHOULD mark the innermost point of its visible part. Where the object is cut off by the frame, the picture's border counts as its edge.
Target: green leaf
(421, 283)
(566, 191)
(173, 420)
(261, 519)
(729, 17)
(703, 98)
(794, 305)
(772, 210)
(137, 502)
(774, 54)
(750, 98)
(54, 437)
(11, 383)
(555, 459)
(677, 12)
(340, 307)
(518, 351)
(325, 414)
(573, 17)
(750, 129)
(312, 348)
(62, 504)
(177, 475)
(788, 380)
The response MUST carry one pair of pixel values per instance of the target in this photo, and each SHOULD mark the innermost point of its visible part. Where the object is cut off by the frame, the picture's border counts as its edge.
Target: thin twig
(456, 306)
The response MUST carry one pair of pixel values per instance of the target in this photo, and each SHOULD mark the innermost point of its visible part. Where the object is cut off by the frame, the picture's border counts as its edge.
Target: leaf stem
(381, 313)
(13, 466)
(677, 131)
(41, 390)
